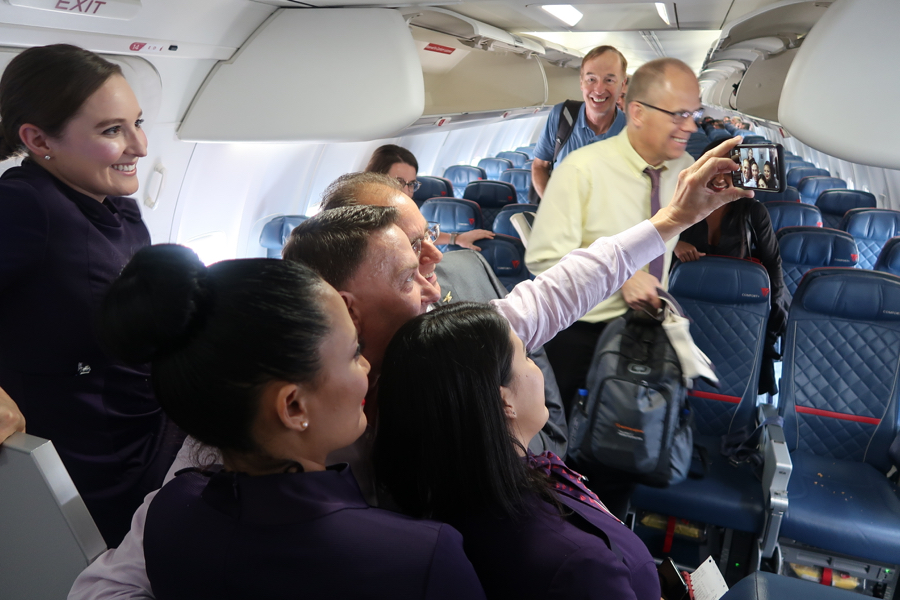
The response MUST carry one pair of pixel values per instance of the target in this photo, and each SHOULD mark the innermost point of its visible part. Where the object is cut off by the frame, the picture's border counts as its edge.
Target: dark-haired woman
(399, 163)
(456, 453)
(259, 359)
(65, 234)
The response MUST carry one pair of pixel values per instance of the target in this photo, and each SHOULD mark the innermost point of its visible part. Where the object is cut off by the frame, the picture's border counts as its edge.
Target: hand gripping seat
(454, 215)
(491, 196)
(727, 300)
(888, 260)
(502, 223)
(788, 195)
(529, 150)
(871, 228)
(461, 175)
(432, 187)
(275, 233)
(521, 180)
(793, 214)
(517, 158)
(811, 188)
(795, 175)
(835, 202)
(805, 248)
(839, 396)
(506, 255)
(494, 166)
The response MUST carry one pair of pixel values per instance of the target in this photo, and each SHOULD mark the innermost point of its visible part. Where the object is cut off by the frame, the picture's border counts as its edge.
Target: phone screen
(671, 582)
(762, 167)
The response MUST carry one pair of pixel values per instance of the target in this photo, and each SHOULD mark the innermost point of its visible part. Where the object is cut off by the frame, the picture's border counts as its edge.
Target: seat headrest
(811, 187)
(877, 224)
(491, 194)
(505, 254)
(790, 214)
(464, 173)
(839, 201)
(433, 187)
(850, 294)
(796, 175)
(516, 158)
(275, 233)
(889, 258)
(493, 167)
(453, 214)
(815, 247)
(518, 177)
(721, 280)
(790, 194)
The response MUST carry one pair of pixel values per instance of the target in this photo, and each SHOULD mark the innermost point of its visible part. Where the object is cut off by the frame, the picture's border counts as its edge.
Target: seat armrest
(776, 475)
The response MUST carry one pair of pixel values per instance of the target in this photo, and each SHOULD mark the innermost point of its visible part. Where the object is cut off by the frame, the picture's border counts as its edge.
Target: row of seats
(441, 187)
(839, 395)
(491, 168)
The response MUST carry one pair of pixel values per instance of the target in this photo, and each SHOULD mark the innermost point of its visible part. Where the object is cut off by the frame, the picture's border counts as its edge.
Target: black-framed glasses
(677, 117)
(431, 234)
(414, 185)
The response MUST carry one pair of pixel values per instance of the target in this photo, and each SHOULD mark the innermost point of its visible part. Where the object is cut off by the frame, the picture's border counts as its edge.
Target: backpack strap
(567, 117)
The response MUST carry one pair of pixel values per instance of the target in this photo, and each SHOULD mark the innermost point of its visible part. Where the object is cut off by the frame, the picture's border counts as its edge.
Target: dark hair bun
(156, 304)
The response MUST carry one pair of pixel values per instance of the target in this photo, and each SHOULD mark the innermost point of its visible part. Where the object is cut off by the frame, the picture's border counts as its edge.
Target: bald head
(648, 81)
(354, 189)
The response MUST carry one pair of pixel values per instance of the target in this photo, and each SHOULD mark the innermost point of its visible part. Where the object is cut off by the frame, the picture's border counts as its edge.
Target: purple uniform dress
(59, 252)
(295, 535)
(587, 553)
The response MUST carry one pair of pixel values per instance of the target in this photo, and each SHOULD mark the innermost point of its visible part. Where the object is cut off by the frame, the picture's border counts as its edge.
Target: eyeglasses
(414, 185)
(677, 117)
(431, 234)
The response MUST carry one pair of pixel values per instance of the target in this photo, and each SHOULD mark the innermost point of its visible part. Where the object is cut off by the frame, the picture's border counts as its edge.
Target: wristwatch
(453, 238)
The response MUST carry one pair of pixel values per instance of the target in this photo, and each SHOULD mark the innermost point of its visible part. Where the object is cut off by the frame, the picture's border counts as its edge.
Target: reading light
(566, 13)
(663, 13)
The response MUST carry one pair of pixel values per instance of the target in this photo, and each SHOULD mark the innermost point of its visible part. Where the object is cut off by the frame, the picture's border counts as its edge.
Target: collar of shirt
(631, 157)
(581, 122)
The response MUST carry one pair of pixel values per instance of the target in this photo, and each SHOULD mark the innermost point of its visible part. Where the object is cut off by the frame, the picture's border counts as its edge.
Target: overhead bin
(850, 37)
(313, 75)
(563, 83)
(759, 94)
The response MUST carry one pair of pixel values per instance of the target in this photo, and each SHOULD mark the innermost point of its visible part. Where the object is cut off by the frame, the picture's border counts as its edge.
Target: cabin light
(566, 13)
(663, 13)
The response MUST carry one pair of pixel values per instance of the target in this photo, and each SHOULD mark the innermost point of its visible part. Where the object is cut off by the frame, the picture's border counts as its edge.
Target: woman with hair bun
(259, 358)
(65, 234)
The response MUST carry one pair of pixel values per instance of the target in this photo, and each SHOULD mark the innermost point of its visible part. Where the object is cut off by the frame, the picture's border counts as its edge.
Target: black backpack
(635, 415)
(567, 117)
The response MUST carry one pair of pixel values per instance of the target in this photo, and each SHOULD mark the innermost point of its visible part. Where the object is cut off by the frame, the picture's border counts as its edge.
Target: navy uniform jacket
(295, 535)
(59, 252)
(586, 555)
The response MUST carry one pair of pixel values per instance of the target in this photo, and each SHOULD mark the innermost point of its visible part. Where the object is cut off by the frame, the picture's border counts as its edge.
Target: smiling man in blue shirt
(602, 83)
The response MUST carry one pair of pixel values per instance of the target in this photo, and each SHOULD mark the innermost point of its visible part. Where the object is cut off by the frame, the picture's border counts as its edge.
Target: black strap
(567, 117)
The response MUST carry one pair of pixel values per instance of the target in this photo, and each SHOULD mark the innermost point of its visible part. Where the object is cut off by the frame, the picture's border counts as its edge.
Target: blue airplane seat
(811, 187)
(871, 228)
(502, 223)
(491, 196)
(432, 187)
(529, 150)
(839, 398)
(834, 202)
(888, 259)
(493, 167)
(718, 134)
(727, 300)
(275, 233)
(755, 139)
(805, 248)
(454, 215)
(521, 180)
(460, 176)
(528, 164)
(506, 255)
(761, 585)
(518, 159)
(789, 194)
(795, 175)
(697, 143)
(793, 214)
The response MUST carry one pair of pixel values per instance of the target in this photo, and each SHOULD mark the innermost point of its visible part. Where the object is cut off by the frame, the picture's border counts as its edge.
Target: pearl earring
(46, 157)
(303, 425)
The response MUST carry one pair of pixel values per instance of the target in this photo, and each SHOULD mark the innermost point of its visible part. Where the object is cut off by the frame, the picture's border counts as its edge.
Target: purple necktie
(656, 265)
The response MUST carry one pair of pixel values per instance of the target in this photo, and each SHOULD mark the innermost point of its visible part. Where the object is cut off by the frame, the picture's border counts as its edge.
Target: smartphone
(762, 167)
(671, 582)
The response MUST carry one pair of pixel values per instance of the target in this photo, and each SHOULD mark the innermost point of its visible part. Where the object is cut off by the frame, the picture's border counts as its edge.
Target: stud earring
(303, 425)
(46, 157)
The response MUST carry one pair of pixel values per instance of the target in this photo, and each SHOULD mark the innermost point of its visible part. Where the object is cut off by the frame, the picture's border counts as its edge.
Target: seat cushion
(769, 586)
(843, 506)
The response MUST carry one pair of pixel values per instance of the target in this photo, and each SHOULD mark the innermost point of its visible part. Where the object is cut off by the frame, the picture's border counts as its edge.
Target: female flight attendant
(259, 358)
(459, 401)
(399, 163)
(65, 234)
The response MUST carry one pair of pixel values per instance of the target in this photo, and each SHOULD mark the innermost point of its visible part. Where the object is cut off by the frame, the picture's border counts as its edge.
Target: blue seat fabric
(521, 180)
(811, 187)
(790, 194)
(517, 159)
(461, 175)
(528, 150)
(697, 143)
(888, 260)
(502, 223)
(834, 202)
(805, 248)
(795, 175)
(455, 215)
(432, 187)
(871, 228)
(275, 233)
(793, 214)
(491, 196)
(506, 255)
(493, 167)
(839, 398)
(727, 301)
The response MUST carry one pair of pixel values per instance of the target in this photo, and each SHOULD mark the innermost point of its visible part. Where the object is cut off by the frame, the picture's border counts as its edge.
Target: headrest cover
(816, 247)
(839, 201)
(721, 280)
(491, 194)
(812, 187)
(850, 294)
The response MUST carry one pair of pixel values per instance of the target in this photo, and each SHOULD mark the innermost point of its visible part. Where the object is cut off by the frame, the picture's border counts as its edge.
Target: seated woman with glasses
(459, 401)
(399, 163)
(260, 360)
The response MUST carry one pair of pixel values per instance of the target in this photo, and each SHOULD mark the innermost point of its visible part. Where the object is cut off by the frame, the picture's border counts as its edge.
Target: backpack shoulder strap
(567, 117)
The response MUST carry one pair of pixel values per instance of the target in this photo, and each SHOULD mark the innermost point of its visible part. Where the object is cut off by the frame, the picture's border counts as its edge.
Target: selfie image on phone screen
(762, 167)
